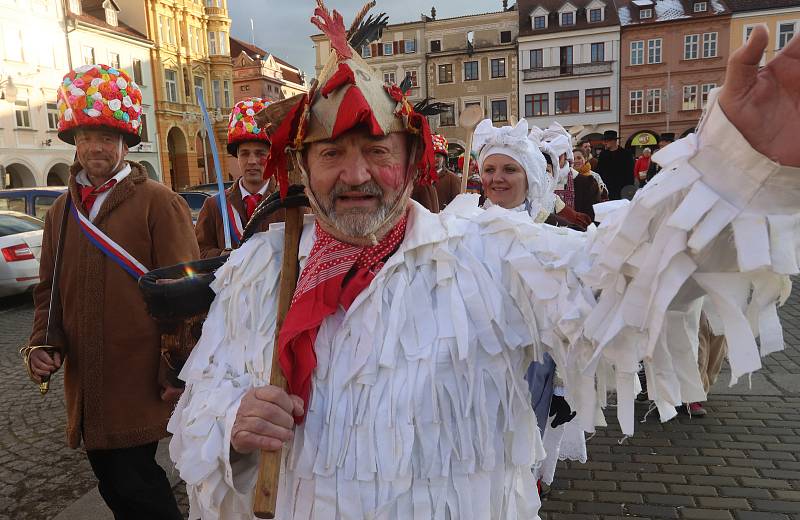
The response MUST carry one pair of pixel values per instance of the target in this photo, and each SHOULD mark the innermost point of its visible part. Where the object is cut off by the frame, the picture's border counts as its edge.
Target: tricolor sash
(235, 223)
(107, 246)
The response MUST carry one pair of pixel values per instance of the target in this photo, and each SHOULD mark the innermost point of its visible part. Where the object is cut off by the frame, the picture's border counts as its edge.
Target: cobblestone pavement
(741, 462)
(39, 474)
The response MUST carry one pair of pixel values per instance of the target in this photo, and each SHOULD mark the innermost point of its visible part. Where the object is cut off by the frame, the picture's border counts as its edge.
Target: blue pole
(222, 203)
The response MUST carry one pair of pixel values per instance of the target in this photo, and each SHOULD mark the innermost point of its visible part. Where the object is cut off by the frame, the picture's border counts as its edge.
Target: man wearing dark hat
(615, 165)
(663, 141)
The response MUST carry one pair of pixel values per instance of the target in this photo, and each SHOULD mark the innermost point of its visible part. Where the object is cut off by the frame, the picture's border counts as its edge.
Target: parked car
(195, 200)
(20, 249)
(31, 201)
(210, 188)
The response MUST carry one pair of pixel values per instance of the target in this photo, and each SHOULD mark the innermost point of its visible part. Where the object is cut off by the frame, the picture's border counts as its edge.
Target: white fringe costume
(419, 409)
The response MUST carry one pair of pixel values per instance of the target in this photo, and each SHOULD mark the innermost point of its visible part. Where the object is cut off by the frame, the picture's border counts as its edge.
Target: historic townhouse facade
(569, 65)
(33, 59)
(782, 17)
(472, 60)
(190, 57)
(673, 54)
(257, 73)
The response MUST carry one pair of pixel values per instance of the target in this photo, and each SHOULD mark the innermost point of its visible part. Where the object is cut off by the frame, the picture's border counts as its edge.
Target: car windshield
(14, 224)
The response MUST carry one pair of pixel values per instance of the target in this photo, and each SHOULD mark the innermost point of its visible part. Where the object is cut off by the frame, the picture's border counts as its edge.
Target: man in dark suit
(615, 165)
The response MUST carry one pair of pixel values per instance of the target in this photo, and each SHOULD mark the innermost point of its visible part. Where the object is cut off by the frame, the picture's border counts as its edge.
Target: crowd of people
(442, 350)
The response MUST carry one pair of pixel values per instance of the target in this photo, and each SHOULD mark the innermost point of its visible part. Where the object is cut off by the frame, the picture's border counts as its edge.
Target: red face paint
(391, 177)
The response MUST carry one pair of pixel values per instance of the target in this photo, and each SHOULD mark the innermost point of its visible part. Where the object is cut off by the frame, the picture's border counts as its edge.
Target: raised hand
(764, 104)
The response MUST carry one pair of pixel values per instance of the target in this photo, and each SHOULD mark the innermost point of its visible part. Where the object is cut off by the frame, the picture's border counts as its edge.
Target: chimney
(433, 13)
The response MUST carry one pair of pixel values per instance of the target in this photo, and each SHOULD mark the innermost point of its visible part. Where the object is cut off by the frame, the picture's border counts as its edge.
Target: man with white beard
(409, 332)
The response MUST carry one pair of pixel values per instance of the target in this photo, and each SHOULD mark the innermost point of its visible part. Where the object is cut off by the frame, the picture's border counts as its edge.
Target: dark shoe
(696, 410)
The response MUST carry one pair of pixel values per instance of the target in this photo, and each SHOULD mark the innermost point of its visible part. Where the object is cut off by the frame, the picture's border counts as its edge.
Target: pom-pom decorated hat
(348, 94)
(242, 124)
(439, 144)
(99, 96)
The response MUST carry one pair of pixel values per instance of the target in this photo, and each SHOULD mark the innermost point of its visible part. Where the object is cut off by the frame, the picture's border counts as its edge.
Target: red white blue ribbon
(107, 246)
(235, 222)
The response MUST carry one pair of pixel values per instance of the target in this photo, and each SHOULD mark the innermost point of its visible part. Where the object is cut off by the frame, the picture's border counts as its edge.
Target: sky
(282, 27)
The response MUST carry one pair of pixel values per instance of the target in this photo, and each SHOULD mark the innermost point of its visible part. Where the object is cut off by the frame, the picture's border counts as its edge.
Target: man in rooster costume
(408, 335)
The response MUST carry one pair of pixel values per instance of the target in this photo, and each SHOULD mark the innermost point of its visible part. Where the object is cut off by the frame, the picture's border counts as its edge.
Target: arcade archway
(58, 175)
(177, 154)
(19, 176)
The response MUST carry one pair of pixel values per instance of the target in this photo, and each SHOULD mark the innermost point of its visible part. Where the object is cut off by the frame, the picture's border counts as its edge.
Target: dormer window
(595, 15)
(111, 13)
(700, 7)
(567, 19)
(645, 13)
(539, 22)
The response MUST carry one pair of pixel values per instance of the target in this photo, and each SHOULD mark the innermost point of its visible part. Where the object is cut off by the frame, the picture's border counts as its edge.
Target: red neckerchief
(89, 193)
(334, 276)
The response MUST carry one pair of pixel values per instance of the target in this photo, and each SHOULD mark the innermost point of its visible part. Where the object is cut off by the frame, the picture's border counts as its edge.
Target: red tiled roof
(121, 28)
(738, 6)
(290, 72)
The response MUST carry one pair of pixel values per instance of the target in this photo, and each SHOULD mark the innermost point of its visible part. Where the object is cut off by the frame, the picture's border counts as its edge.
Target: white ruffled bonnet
(514, 142)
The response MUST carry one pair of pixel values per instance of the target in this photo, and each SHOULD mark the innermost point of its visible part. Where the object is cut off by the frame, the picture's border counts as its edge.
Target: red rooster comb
(333, 27)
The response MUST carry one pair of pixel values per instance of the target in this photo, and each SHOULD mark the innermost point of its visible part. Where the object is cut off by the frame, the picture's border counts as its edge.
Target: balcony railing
(559, 71)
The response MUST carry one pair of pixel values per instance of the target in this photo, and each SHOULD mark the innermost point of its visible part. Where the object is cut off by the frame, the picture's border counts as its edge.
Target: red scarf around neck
(334, 275)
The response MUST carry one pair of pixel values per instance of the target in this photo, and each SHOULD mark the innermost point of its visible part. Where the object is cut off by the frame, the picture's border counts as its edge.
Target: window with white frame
(366, 51)
(498, 67)
(499, 110)
(216, 91)
(637, 52)
(137, 72)
(52, 116)
(111, 16)
(710, 45)
(412, 74)
(645, 14)
(785, 34)
(226, 93)
(700, 7)
(223, 43)
(87, 55)
(199, 88)
(654, 50)
(539, 22)
(691, 46)
(113, 59)
(448, 116)
(171, 30)
(388, 49)
(637, 102)
(567, 19)
(22, 113)
(409, 46)
(595, 15)
(446, 73)
(654, 101)
(705, 90)
(171, 82)
(537, 58)
(598, 52)
(389, 77)
(212, 42)
(471, 71)
(689, 97)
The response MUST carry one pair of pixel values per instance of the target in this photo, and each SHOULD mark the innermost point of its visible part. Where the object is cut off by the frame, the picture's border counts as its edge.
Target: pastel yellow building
(782, 18)
(190, 56)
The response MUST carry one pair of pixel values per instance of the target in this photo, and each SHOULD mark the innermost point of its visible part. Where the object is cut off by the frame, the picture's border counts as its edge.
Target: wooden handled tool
(469, 119)
(269, 466)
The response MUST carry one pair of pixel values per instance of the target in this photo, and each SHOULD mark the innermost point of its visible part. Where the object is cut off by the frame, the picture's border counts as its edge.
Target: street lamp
(8, 90)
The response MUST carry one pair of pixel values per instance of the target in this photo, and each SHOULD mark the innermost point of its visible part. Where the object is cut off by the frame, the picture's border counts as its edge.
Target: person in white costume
(416, 406)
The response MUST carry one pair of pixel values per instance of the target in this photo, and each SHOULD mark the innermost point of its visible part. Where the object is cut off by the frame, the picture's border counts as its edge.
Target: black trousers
(133, 485)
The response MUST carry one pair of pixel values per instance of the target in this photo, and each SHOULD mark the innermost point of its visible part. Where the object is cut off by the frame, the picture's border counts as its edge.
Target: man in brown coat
(448, 184)
(100, 330)
(249, 143)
